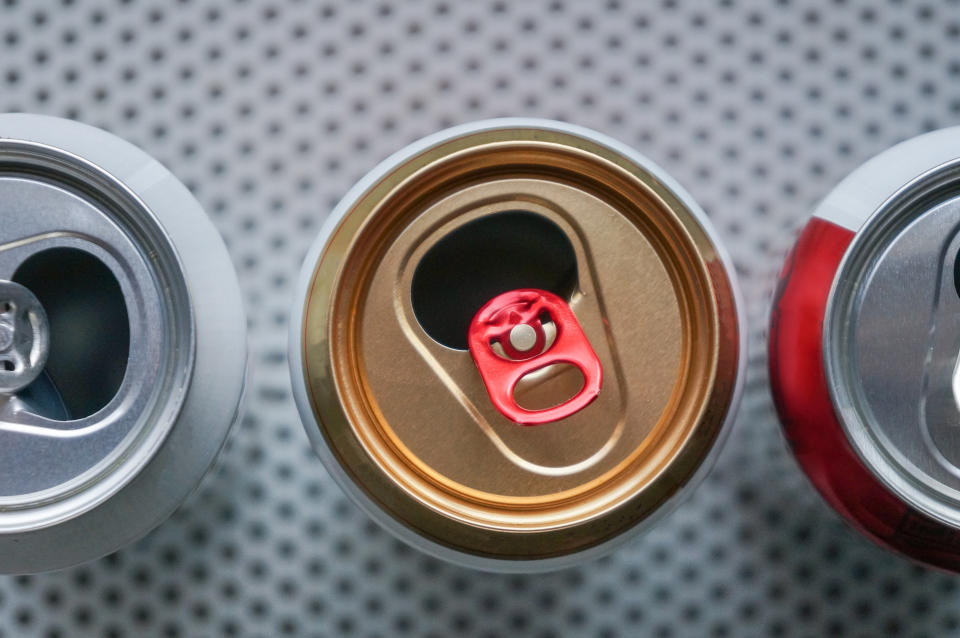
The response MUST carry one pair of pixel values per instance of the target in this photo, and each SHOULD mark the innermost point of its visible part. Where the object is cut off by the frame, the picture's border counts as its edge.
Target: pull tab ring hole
(548, 387)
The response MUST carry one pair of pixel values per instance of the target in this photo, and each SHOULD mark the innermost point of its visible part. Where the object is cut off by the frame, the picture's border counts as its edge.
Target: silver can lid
(147, 343)
(892, 342)
(96, 334)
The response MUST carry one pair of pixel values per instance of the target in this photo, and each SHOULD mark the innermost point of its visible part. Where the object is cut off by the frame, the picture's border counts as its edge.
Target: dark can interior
(482, 259)
(89, 332)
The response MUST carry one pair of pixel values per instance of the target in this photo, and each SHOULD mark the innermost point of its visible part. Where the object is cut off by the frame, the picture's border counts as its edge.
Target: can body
(516, 343)
(864, 344)
(123, 348)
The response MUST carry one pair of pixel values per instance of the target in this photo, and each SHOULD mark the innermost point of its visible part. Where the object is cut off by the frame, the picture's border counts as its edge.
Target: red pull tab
(514, 320)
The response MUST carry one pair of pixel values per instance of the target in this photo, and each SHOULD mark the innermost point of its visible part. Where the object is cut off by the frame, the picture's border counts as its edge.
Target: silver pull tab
(24, 337)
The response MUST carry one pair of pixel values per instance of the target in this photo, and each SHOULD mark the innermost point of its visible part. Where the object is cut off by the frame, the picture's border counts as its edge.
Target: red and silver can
(122, 343)
(516, 343)
(864, 344)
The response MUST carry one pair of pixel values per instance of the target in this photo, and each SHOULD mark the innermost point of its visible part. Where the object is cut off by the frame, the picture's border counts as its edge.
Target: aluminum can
(516, 343)
(122, 343)
(864, 342)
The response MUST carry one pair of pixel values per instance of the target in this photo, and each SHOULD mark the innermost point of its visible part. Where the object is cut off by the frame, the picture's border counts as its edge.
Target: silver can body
(123, 353)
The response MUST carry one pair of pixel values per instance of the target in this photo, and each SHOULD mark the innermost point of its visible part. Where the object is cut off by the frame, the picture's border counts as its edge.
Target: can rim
(884, 186)
(297, 364)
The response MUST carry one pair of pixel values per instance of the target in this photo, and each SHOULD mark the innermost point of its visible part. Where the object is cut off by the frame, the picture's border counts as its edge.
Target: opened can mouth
(518, 342)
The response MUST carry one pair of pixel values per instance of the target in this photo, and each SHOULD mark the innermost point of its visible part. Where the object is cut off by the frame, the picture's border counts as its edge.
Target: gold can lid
(403, 410)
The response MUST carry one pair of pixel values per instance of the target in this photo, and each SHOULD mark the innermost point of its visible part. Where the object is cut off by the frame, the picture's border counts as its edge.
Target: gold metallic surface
(409, 419)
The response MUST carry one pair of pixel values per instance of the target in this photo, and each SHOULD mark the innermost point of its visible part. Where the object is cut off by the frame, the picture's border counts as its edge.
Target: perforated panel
(270, 111)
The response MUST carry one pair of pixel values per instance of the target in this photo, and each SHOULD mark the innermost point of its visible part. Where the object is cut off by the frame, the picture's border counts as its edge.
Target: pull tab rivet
(6, 337)
(523, 336)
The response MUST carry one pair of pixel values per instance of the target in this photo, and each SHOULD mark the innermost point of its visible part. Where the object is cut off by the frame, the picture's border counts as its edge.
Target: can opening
(482, 259)
(89, 328)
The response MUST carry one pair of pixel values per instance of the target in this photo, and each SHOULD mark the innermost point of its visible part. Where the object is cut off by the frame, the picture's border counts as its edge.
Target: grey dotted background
(269, 111)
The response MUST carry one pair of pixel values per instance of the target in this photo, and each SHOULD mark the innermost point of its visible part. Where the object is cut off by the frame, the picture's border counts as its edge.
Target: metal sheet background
(271, 110)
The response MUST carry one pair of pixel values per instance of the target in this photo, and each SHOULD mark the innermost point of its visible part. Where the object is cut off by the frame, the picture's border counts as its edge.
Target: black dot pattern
(269, 111)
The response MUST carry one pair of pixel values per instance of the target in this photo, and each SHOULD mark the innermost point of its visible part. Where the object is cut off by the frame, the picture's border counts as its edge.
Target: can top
(146, 357)
(892, 335)
(92, 294)
(631, 297)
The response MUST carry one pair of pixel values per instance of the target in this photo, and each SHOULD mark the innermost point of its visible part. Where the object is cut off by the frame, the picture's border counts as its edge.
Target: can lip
(297, 364)
(869, 197)
(859, 195)
(211, 398)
